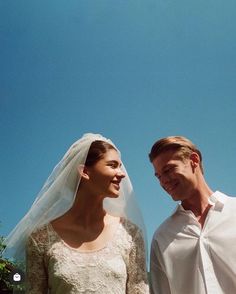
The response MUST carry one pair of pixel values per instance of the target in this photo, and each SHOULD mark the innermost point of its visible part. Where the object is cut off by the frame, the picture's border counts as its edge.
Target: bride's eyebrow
(114, 162)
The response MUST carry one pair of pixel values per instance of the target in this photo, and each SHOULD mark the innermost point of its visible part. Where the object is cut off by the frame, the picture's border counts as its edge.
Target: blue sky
(132, 70)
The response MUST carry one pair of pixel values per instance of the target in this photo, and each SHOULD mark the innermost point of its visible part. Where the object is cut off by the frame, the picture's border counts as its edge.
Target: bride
(84, 232)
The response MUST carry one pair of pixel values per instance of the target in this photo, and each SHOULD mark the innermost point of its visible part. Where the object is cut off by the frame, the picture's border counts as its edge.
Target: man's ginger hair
(176, 143)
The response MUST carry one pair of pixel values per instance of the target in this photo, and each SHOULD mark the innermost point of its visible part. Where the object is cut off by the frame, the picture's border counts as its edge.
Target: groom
(194, 250)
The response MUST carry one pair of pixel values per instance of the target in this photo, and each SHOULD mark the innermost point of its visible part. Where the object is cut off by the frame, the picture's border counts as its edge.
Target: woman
(79, 235)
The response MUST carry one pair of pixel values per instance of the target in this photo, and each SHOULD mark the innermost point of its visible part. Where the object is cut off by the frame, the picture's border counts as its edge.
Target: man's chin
(175, 197)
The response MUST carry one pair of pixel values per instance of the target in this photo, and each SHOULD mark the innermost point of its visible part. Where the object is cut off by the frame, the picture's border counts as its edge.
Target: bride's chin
(114, 195)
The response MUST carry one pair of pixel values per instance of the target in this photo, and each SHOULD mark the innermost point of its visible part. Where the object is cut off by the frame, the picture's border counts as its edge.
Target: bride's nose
(120, 173)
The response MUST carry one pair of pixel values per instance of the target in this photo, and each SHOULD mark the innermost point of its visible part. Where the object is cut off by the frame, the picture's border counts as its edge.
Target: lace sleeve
(35, 268)
(137, 273)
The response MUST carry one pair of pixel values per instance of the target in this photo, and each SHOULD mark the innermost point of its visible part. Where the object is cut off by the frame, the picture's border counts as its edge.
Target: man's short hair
(175, 143)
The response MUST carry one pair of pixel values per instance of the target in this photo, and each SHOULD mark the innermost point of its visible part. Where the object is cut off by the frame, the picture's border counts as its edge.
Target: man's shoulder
(223, 198)
(166, 226)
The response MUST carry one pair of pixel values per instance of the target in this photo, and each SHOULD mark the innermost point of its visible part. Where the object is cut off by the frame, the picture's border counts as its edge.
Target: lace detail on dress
(118, 268)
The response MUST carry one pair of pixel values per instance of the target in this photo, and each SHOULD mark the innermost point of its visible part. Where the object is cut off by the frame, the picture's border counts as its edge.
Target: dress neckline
(105, 245)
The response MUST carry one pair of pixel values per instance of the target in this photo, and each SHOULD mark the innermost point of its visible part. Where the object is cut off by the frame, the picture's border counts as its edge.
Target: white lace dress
(118, 268)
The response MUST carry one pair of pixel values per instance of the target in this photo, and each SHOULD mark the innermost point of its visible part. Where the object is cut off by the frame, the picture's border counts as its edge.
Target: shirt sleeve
(137, 274)
(159, 280)
(36, 273)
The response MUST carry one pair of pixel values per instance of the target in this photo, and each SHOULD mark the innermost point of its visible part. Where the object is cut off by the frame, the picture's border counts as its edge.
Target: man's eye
(169, 169)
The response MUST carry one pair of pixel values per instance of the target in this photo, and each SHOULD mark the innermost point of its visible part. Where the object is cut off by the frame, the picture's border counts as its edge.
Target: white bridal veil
(58, 194)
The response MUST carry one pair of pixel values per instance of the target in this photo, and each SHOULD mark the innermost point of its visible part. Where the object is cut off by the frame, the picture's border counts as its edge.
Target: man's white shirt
(189, 259)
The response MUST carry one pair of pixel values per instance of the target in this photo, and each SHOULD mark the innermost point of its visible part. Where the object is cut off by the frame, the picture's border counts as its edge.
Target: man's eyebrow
(163, 168)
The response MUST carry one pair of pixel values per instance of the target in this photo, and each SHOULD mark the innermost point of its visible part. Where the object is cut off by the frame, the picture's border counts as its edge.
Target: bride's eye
(113, 164)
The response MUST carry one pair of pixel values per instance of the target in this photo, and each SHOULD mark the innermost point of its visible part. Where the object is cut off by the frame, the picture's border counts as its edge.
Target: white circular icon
(16, 276)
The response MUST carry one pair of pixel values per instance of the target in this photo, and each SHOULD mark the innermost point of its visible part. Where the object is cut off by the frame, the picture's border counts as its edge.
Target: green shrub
(6, 266)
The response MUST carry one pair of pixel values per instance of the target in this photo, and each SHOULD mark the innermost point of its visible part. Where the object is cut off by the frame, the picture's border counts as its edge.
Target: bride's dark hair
(96, 152)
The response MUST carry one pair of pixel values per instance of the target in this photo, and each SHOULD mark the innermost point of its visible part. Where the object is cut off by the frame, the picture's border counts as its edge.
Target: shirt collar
(217, 199)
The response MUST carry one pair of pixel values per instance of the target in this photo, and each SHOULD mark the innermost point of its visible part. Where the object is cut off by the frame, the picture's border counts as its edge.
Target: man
(194, 250)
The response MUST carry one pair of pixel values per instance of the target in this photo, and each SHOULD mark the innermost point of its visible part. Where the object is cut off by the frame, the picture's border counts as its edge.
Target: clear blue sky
(131, 70)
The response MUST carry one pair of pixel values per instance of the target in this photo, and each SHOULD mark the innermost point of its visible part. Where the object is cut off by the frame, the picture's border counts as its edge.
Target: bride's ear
(83, 171)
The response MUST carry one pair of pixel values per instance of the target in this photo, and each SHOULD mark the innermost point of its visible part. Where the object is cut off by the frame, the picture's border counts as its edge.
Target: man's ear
(195, 160)
(83, 171)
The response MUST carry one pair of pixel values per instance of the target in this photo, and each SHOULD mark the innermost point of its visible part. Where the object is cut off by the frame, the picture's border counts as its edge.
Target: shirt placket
(210, 280)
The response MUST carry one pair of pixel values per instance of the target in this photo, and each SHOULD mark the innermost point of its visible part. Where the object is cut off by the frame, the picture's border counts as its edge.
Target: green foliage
(4, 270)
(2, 246)
(6, 266)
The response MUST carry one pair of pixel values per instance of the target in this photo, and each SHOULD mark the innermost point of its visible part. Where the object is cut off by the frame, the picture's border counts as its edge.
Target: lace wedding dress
(56, 268)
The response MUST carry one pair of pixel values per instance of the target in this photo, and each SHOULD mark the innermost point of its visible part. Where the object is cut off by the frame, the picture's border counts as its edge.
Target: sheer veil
(58, 194)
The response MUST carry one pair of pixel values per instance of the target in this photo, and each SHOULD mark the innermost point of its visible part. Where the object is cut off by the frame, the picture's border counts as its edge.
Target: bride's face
(106, 175)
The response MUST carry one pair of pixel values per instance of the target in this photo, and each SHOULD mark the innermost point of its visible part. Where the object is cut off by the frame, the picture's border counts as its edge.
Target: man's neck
(199, 204)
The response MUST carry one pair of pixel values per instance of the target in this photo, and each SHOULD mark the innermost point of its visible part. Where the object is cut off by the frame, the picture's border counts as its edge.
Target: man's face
(175, 174)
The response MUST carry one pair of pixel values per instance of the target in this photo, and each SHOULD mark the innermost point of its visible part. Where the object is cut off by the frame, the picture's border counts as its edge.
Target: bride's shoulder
(129, 226)
(40, 235)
